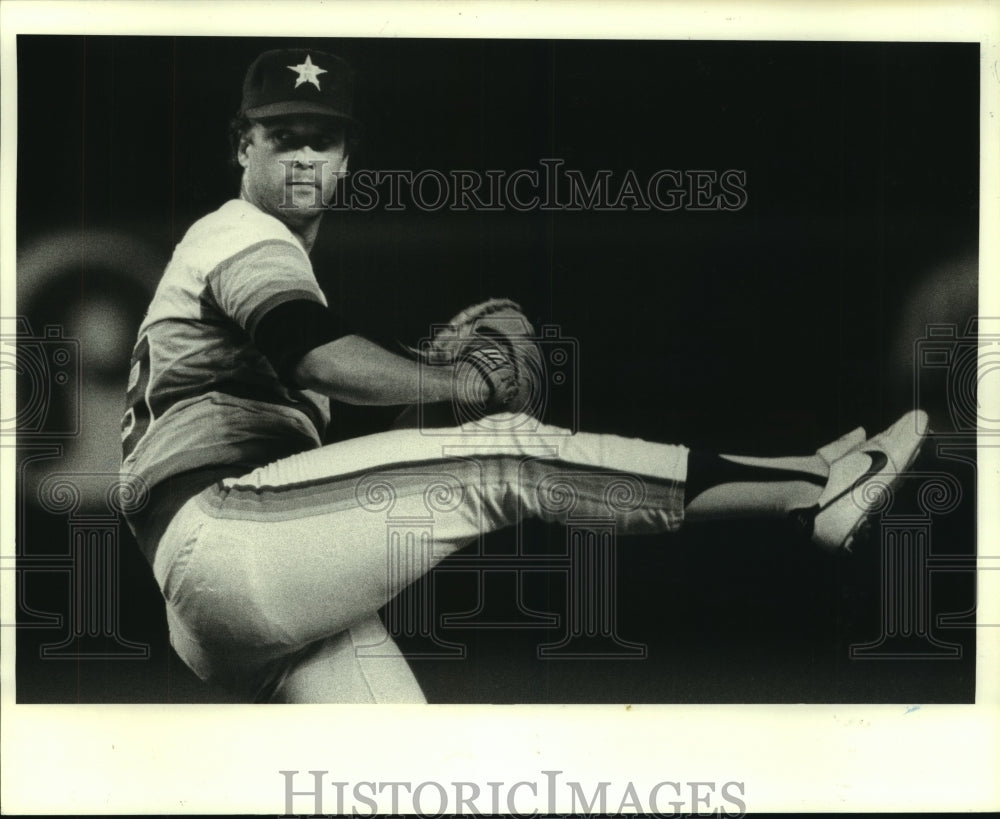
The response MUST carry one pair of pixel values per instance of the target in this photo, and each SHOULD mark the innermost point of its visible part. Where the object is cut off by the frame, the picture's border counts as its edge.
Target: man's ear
(241, 153)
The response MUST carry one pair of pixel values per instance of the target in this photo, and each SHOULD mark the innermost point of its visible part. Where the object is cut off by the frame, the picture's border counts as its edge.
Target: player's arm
(270, 292)
(310, 348)
(355, 370)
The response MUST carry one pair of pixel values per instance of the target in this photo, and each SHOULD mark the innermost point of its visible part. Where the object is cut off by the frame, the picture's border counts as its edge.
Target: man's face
(292, 164)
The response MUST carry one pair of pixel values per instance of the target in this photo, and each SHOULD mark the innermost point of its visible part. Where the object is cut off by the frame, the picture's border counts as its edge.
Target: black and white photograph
(506, 378)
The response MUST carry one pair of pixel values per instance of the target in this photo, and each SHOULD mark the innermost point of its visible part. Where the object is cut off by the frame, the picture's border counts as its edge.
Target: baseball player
(262, 539)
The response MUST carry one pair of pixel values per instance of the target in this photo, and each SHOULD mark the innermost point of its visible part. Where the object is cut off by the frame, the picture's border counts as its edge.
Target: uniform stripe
(282, 250)
(167, 397)
(247, 282)
(561, 489)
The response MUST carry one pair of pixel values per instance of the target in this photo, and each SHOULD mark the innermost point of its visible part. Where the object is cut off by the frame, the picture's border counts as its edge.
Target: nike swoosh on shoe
(879, 461)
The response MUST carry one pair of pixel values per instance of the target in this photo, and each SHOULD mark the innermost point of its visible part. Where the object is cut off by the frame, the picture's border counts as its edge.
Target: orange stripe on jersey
(247, 285)
(210, 396)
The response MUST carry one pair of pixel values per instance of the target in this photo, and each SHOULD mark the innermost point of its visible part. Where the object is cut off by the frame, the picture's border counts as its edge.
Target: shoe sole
(862, 528)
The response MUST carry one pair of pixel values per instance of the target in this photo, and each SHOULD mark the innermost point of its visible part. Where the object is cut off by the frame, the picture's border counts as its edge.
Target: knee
(225, 635)
(227, 608)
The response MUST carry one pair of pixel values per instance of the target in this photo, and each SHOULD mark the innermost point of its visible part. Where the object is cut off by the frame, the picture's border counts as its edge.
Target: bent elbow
(307, 374)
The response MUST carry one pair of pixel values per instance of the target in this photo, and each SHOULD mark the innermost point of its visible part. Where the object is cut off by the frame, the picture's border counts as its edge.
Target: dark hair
(239, 126)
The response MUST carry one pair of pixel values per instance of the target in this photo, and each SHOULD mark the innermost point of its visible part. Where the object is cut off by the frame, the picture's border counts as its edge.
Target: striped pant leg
(302, 549)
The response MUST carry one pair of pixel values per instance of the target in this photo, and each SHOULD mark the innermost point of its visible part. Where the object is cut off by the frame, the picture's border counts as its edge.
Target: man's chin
(300, 212)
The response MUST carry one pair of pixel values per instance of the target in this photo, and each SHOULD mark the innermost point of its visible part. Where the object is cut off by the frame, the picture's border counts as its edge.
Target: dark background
(769, 330)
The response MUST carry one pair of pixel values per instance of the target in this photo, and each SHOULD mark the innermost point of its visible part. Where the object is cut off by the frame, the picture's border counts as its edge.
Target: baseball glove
(491, 342)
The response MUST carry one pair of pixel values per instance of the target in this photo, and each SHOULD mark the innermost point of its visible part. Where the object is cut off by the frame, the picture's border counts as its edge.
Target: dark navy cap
(298, 81)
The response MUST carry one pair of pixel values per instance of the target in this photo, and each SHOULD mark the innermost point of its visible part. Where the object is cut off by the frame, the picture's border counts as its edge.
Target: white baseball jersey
(200, 393)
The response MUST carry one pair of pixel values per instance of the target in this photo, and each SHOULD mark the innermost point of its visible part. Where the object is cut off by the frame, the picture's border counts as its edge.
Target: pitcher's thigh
(360, 665)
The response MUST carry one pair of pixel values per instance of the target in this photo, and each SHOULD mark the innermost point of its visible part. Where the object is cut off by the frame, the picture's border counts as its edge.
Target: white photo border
(225, 759)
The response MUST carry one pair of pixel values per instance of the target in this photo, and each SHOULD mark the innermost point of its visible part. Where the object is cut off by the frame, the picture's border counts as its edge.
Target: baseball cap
(298, 81)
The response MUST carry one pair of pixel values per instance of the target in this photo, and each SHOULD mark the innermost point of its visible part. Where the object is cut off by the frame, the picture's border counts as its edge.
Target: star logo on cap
(307, 72)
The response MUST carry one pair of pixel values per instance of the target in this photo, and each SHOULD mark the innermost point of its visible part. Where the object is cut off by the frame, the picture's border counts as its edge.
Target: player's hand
(486, 377)
(492, 353)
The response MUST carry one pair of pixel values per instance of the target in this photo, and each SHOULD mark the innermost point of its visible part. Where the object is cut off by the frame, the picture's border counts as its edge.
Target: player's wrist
(471, 384)
(485, 378)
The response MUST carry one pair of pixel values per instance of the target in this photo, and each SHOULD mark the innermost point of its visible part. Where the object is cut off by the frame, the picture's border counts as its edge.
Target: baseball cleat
(844, 444)
(859, 480)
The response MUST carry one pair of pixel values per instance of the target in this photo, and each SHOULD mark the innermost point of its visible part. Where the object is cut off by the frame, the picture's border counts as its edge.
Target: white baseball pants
(273, 580)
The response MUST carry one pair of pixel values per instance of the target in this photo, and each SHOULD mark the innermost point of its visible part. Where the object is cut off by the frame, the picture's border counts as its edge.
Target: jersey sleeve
(286, 332)
(251, 283)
